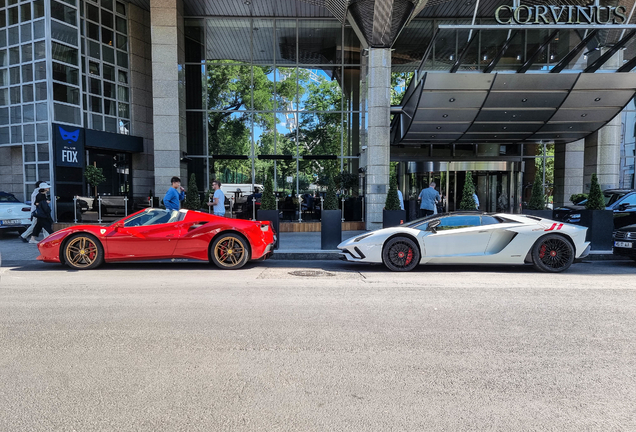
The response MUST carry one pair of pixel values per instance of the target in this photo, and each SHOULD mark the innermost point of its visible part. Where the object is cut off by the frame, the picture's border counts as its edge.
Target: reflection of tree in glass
(399, 84)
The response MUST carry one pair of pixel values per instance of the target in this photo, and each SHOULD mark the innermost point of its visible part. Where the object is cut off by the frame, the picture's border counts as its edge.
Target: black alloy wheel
(552, 253)
(400, 254)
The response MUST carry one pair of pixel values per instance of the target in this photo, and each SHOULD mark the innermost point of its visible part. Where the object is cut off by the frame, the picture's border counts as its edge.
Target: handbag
(38, 212)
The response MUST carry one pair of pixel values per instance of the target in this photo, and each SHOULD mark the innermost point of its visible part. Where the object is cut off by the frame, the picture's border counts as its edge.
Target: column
(378, 134)
(602, 155)
(169, 141)
(568, 171)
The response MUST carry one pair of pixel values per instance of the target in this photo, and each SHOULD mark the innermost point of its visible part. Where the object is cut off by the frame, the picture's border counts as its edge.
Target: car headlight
(575, 216)
(362, 237)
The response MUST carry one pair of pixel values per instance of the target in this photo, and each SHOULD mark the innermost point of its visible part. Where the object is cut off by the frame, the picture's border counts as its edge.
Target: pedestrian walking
(42, 213)
(174, 196)
(428, 200)
(25, 235)
(401, 198)
(217, 201)
(476, 201)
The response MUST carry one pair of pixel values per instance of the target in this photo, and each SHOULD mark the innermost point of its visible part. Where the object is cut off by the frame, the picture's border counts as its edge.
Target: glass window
(121, 8)
(40, 91)
(110, 124)
(39, 50)
(28, 133)
(121, 42)
(43, 149)
(28, 112)
(40, 71)
(92, 12)
(29, 171)
(489, 220)
(41, 112)
(4, 116)
(4, 138)
(67, 114)
(96, 104)
(25, 12)
(63, 13)
(14, 75)
(98, 122)
(109, 54)
(25, 31)
(4, 59)
(13, 15)
(95, 86)
(27, 52)
(3, 18)
(27, 72)
(109, 107)
(92, 31)
(93, 49)
(63, 93)
(107, 19)
(43, 171)
(16, 134)
(64, 33)
(4, 77)
(459, 221)
(122, 59)
(38, 29)
(14, 55)
(65, 73)
(38, 9)
(29, 153)
(4, 97)
(109, 90)
(93, 68)
(122, 77)
(109, 72)
(121, 25)
(15, 95)
(65, 54)
(122, 93)
(16, 114)
(152, 217)
(107, 36)
(124, 110)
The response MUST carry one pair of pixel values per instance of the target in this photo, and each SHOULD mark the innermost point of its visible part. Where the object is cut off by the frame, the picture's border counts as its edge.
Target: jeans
(424, 212)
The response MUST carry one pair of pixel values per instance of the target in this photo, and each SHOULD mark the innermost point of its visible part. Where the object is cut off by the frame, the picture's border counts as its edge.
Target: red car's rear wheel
(230, 251)
(83, 252)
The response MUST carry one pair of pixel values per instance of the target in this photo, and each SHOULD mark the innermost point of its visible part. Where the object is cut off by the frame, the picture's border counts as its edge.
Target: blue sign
(69, 146)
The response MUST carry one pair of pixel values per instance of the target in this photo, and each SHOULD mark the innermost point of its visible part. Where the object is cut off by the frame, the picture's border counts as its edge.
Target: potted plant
(468, 200)
(599, 222)
(192, 200)
(536, 205)
(94, 177)
(330, 219)
(392, 215)
(267, 210)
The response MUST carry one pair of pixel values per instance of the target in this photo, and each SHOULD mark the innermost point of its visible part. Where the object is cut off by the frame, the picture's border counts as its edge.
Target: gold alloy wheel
(81, 252)
(229, 251)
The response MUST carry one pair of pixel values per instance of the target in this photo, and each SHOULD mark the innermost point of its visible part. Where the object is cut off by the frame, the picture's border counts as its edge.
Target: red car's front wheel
(83, 252)
(230, 251)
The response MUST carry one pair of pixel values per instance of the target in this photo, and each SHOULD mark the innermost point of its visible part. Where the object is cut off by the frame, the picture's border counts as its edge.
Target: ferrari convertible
(158, 234)
(471, 238)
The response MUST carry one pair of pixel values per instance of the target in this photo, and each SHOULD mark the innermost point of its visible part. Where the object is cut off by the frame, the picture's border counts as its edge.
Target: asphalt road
(317, 346)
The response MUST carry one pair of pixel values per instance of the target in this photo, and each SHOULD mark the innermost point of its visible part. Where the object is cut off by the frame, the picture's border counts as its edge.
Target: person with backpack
(42, 213)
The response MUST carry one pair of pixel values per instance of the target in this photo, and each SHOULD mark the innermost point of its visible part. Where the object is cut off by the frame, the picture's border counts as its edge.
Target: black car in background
(621, 201)
(625, 241)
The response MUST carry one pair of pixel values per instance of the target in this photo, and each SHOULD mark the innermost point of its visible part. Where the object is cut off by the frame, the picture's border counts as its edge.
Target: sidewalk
(293, 246)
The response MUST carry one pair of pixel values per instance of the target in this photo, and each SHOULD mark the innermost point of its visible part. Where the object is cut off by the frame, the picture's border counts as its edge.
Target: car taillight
(26, 209)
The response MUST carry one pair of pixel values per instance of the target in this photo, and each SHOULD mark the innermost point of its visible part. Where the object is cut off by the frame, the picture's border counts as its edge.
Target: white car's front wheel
(400, 254)
(552, 253)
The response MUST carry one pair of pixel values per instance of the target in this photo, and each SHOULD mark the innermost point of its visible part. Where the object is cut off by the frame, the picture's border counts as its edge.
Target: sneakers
(33, 241)
(23, 239)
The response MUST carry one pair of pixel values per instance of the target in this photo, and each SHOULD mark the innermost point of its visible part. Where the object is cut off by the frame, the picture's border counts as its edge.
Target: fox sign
(69, 146)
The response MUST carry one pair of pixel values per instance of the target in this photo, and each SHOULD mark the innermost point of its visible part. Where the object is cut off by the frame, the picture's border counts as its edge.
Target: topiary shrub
(577, 198)
(192, 199)
(392, 199)
(537, 199)
(468, 201)
(595, 200)
(331, 200)
(268, 200)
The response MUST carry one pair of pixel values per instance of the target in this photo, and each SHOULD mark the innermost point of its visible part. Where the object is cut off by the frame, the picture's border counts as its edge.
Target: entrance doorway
(497, 183)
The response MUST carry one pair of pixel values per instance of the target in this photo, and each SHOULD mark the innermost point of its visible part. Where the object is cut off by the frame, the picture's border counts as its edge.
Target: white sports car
(14, 215)
(471, 238)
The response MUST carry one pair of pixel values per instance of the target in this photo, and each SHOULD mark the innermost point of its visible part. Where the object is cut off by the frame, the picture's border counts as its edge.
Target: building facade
(297, 92)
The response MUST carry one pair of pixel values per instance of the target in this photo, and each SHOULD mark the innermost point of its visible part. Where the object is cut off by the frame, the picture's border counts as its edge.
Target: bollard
(99, 209)
(343, 201)
(322, 206)
(125, 206)
(253, 208)
(75, 208)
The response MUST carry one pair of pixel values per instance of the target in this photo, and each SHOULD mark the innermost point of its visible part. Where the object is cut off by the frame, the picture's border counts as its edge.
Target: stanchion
(322, 206)
(75, 208)
(231, 207)
(253, 208)
(150, 202)
(362, 202)
(99, 209)
(300, 208)
(343, 201)
(125, 206)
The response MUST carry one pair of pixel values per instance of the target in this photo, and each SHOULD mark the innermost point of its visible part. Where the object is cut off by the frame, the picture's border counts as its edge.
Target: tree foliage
(468, 201)
(392, 198)
(537, 196)
(331, 200)
(192, 199)
(577, 198)
(268, 200)
(94, 176)
(595, 200)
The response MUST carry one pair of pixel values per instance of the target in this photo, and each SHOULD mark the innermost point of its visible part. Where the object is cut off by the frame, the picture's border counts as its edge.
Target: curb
(305, 255)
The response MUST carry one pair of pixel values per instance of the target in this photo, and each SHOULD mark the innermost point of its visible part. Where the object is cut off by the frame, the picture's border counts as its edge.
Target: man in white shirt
(25, 235)
(401, 198)
(218, 199)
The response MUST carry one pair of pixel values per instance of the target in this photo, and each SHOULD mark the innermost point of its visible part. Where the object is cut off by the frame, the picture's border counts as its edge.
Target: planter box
(330, 229)
(545, 214)
(272, 217)
(391, 218)
(600, 225)
(413, 209)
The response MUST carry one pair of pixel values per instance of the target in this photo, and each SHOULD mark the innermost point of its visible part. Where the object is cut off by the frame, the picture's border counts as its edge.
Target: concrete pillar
(166, 27)
(377, 152)
(568, 171)
(602, 155)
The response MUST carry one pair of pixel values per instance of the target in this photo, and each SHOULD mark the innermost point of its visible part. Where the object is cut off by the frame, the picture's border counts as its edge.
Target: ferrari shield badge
(102, 231)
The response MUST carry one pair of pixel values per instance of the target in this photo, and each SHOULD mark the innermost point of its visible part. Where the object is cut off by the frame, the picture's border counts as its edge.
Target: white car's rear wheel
(552, 253)
(400, 254)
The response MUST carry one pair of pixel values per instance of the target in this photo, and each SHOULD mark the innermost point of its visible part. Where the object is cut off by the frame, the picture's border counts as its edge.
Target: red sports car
(154, 234)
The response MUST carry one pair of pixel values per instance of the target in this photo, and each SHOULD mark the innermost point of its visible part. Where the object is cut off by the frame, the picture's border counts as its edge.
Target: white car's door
(456, 235)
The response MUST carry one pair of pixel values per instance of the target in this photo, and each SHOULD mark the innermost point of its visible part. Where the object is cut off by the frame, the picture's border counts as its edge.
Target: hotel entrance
(498, 184)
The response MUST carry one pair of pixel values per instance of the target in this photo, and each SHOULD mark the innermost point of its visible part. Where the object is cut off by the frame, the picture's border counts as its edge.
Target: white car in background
(471, 238)
(14, 215)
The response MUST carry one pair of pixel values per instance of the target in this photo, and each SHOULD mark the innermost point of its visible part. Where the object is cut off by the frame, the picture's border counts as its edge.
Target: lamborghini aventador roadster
(471, 238)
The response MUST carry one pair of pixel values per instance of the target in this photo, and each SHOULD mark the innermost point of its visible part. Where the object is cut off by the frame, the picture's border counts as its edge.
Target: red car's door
(143, 242)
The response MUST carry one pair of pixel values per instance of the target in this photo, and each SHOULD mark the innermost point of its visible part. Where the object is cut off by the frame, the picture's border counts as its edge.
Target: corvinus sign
(542, 14)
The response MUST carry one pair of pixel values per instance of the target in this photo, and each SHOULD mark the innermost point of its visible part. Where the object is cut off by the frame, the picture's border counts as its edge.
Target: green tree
(595, 200)
(537, 197)
(331, 200)
(392, 199)
(468, 201)
(94, 176)
(192, 199)
(399, 83)
(268, 200)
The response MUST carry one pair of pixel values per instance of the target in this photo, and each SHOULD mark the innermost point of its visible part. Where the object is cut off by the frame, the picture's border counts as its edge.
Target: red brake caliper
(542, 251)
(409, 257)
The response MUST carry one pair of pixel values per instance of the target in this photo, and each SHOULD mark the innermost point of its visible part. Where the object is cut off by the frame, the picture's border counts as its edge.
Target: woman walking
(42, 213)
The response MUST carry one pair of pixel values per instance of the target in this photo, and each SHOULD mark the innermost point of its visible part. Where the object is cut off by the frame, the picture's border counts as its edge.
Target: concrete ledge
(303, 255)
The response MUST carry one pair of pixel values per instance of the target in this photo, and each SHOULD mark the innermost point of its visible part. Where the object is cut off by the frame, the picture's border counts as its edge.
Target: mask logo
(69, 136)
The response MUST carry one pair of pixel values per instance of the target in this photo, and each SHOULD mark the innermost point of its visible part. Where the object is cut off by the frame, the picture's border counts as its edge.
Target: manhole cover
(311, 273)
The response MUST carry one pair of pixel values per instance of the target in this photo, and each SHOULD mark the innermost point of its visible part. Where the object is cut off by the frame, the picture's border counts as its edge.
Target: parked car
(471, 238)
(160, 234)
(621, 201)
(14, 214)
(625, 241)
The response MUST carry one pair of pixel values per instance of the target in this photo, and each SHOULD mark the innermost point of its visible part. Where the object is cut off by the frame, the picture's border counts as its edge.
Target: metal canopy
(510, 108)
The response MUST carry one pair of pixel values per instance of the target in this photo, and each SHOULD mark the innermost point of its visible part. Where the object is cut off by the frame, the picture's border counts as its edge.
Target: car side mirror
(118, 226)
(624, 207)
(432, 226)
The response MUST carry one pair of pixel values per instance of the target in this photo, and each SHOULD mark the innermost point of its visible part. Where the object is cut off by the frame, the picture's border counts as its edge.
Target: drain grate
(311, 273)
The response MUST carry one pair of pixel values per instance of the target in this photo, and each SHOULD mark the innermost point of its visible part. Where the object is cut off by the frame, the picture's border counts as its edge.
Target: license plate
(622, 244)
(11, 222)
